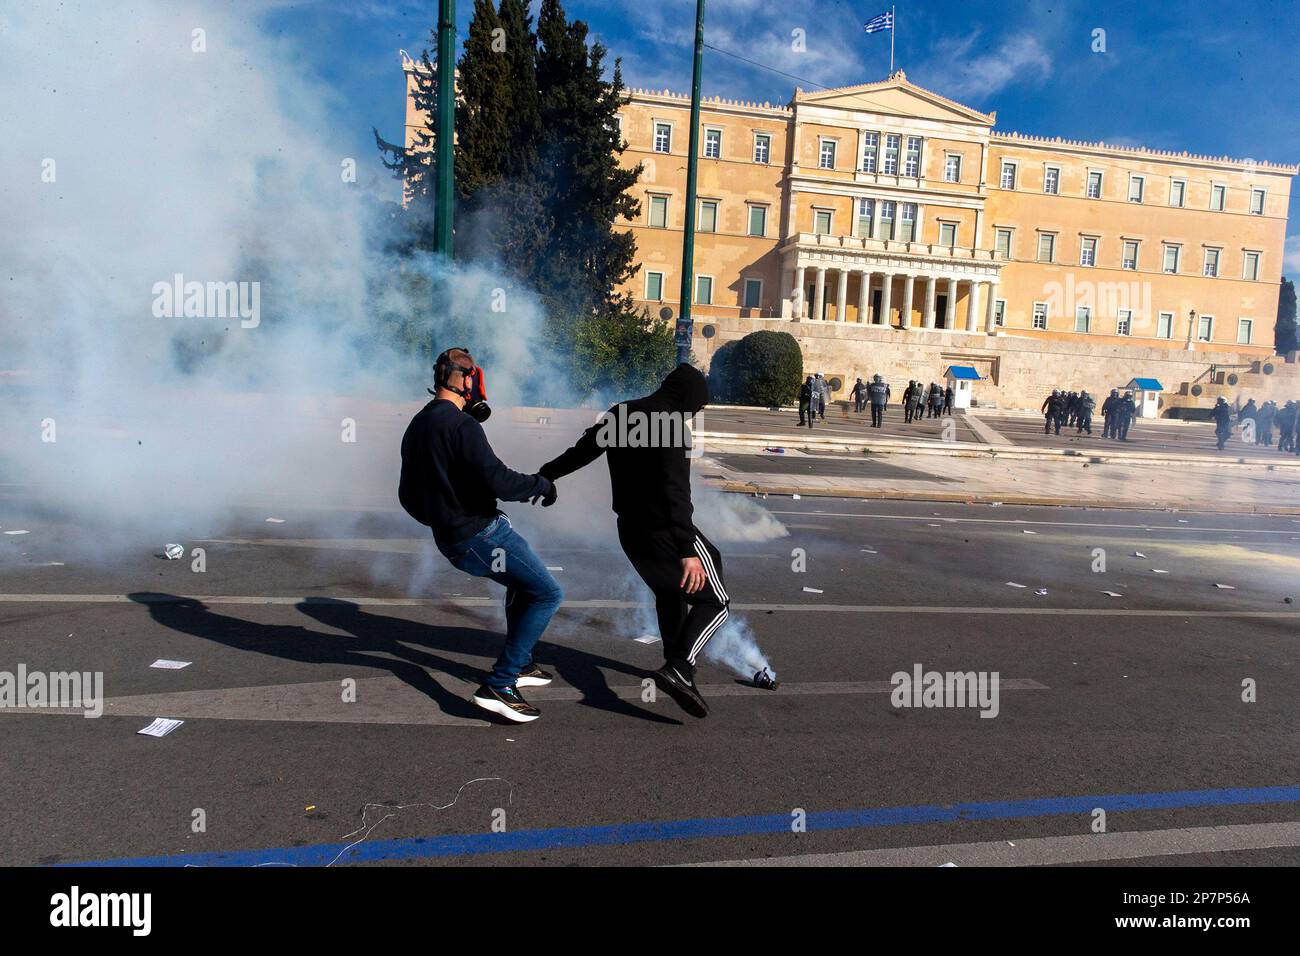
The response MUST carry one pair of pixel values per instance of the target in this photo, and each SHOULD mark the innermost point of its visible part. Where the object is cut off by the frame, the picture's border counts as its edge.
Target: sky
(1212, 78)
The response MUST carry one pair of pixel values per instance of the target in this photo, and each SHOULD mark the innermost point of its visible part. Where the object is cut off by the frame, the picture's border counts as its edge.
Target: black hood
(684, 390)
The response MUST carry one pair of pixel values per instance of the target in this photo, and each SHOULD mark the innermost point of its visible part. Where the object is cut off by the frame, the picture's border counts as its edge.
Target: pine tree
(1285, 331)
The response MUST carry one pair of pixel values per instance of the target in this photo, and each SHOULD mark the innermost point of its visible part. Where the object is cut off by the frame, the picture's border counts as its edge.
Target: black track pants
(686, 621)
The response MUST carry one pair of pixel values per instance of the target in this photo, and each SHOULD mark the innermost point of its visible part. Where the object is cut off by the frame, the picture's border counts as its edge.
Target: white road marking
(1047, 851)
(391, 700)
(597, 604)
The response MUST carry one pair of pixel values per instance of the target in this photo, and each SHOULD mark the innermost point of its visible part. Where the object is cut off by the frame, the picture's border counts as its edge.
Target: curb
(973, 450)
(1107, 504)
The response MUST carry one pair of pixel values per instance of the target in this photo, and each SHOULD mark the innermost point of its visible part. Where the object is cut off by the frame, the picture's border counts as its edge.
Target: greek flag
(883, 22)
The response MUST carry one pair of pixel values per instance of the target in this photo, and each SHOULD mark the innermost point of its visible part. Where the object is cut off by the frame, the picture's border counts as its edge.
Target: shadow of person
(582, 670)
(378, 643)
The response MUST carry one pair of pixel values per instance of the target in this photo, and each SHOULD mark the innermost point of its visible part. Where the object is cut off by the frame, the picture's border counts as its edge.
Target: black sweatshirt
(651, 485)
(451, 479)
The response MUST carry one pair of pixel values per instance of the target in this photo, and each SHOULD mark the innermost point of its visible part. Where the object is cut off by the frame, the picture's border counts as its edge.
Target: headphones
(444, 368)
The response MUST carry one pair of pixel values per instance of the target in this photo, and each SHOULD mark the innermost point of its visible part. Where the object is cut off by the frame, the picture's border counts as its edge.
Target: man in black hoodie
(451, 480)
(650, 477)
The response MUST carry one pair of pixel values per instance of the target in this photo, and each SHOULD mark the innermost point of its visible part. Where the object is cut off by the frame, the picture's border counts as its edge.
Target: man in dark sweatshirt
(451, 480)
(650, 477)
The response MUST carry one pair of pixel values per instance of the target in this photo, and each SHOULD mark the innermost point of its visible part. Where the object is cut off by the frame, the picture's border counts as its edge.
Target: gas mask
(471, 387)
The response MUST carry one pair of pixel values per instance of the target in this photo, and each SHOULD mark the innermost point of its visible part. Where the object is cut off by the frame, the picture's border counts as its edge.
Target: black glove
(547, 498)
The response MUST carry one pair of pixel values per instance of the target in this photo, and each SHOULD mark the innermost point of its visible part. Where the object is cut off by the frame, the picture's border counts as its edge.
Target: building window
(908, 231)
(1051, 180)
(762, 148)
(654, 286)
(912, 159)
(1204, 327)
(659, 211)
(1040, 315)
(870, 151)
(1124, 322)
(952, 168)
(1165, 325)
(866, 209)
(708, 216)
(1212, 263)
(891, 154)
(1130, 255)
(753, 294)
(758, 220)
(1046, 247)
(887, 220)
(822, 222)
(1257, 202)
(663, 138)
(704, 290)
(1094, 185)
(1000, 312)
(1177, 192)
(948, 234)
(1171, 258)
(826, 157)
(1083, 319)
(1217, 193)
(712, 143)
(1135, 186)
(1250, 266)
(1244, 327)
(1004, 243)
(1008, 175)
(1088, 251)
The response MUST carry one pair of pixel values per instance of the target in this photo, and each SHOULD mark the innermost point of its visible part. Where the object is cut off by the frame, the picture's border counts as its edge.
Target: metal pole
(893, 28)
(446, 136)
(684, 322)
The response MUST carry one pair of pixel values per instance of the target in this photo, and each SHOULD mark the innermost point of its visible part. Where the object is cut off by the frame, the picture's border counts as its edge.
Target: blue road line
(556, 838)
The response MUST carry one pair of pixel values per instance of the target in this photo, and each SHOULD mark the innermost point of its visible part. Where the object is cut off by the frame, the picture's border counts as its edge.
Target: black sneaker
(533, 676)
(682, 689)
(507, 703)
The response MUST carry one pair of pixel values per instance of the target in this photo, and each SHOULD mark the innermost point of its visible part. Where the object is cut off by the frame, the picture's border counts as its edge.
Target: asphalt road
(1130, 703)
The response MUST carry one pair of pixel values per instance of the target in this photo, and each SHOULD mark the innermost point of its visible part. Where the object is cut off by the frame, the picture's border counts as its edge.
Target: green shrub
(766, 368)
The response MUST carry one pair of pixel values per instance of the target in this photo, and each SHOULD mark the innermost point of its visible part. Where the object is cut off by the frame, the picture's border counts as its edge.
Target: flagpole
(893, 28)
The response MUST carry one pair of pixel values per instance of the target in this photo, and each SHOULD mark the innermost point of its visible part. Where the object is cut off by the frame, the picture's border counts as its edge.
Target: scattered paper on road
(161, 727)
(1027, 531)
(167, 665)
(868, 551)
(814, 590)
(17, 532)
(1138, 554)
(1226, 587)
(1013, 584)
(275, 521)
(648, 639)
(1041, 591)
(796, 497)
(1159, 570)
(1112, 594)
(173, 552)
(555, 567)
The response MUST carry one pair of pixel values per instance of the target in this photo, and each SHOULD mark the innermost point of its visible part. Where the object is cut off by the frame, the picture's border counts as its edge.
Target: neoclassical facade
(886, 206)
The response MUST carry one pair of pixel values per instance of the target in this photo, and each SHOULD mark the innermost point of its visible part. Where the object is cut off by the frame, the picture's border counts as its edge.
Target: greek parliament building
(892, 230)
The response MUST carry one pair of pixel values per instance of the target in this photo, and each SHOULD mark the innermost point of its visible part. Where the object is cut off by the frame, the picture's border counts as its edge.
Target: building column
(887, 280)
(797, 293)
(908, 281)
(819, 295)
(973, 308)
(787, 280)
(950, 307)
(930, 283)
(864, 295)
(991, 310)
(842, 295)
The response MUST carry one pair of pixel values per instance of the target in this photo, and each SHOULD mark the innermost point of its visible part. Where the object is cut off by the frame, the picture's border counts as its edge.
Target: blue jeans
(532, 595)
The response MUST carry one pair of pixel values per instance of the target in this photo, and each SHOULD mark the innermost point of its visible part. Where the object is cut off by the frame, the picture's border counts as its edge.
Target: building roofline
(717, 101)
(898, 79)
(1139, 152)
